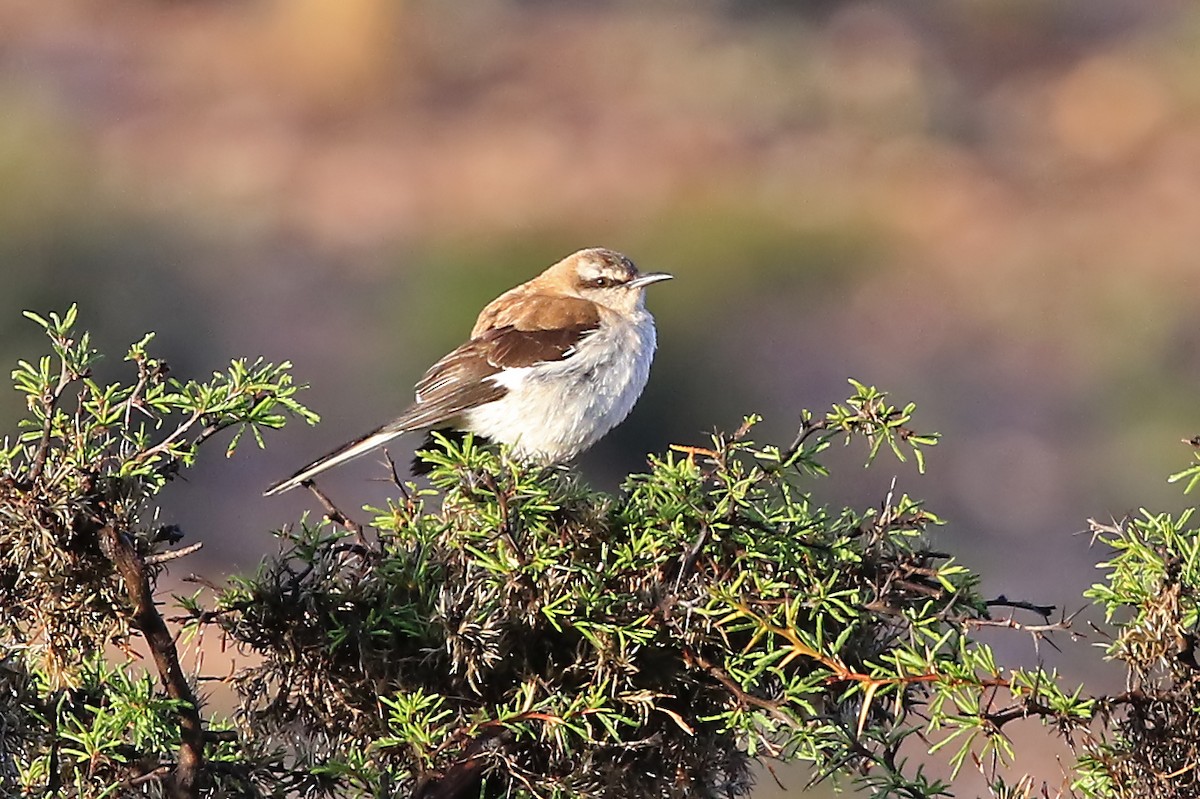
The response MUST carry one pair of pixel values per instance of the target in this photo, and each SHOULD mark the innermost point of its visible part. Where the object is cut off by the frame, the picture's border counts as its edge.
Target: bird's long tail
(359, 446)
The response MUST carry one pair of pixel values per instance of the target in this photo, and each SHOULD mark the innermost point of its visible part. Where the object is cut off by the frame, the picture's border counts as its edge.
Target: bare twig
(184, 781)
(51, 404)
(1038, 632)
(153, 775)
(209, 616)
(334, 514)
(135, 396)
(163, 557)
(774, 776)
(1023, 709)
(394, 476)
(166, 443)
(808, 426)
(1013, 624)
(211, 430)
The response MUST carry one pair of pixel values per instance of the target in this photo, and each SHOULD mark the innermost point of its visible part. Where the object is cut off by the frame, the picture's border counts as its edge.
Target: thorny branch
(1044, 611)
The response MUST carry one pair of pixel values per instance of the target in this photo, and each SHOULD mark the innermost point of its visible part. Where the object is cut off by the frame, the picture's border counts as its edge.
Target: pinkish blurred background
(989, 207)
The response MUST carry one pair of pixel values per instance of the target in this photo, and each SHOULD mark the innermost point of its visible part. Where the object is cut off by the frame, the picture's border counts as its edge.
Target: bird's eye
(601, 282)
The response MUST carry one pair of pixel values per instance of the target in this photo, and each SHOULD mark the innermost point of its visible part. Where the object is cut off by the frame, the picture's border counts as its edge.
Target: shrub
(505, 630)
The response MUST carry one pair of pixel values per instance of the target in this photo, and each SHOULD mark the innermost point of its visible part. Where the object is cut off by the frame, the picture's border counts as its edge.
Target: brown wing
(522, 310)
(503, 339)
(510, 347)
(459, 381)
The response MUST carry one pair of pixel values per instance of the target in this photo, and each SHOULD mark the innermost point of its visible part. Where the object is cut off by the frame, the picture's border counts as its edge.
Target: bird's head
(604, 277)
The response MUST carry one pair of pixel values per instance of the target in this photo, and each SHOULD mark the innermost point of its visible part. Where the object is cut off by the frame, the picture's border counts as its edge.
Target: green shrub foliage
(564, 642)
(505, 630)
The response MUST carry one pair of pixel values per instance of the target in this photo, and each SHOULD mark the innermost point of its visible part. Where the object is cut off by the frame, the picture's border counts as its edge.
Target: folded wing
(464, 379)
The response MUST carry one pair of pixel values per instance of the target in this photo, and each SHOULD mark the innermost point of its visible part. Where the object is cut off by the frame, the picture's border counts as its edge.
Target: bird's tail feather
(357, 447)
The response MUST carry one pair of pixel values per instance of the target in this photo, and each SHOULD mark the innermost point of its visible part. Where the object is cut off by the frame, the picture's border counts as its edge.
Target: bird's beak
(647, 279)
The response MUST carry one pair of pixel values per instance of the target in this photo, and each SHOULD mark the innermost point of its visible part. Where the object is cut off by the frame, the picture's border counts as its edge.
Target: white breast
(553, 411)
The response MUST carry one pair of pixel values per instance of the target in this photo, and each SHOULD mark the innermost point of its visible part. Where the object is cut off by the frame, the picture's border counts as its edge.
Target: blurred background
(989, 207)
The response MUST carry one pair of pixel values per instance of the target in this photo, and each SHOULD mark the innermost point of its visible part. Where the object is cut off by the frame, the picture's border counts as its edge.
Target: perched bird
(551, 366)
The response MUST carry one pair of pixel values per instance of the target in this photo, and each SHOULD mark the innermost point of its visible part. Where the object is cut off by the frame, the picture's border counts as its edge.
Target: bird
(550, 367)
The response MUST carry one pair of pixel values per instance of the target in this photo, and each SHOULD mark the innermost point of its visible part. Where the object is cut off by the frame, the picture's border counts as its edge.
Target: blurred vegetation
(987, 206)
